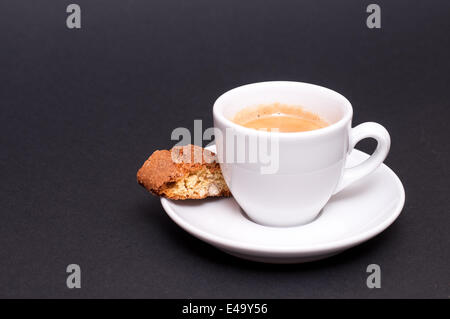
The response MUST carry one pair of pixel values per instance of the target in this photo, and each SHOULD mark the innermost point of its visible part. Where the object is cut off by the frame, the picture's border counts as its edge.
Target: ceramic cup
(304, 169)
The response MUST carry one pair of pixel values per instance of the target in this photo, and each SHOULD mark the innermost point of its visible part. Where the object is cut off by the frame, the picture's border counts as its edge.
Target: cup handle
(358, 133)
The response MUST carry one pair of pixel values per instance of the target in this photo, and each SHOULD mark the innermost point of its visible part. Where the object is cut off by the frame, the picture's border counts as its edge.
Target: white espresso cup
(307, 168)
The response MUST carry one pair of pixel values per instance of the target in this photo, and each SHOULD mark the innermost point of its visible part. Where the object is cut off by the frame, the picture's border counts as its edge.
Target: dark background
(80, 110)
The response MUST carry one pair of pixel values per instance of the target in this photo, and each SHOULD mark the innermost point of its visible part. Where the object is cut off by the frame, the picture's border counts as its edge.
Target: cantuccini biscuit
(184, 172)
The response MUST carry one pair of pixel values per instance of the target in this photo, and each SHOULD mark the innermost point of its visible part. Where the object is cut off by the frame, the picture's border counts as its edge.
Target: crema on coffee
(282, 117)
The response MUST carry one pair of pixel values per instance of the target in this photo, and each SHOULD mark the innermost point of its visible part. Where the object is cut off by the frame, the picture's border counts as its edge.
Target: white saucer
(358, 213)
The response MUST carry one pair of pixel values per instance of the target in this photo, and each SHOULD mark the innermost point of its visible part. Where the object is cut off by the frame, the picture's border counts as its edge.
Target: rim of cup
(348, 111)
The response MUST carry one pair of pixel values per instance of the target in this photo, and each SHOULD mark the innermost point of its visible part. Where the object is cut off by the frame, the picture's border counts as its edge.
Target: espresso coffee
(282, 117)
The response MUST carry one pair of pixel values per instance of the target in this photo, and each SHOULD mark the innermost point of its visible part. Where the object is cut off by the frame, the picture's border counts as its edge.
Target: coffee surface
(284, 118)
